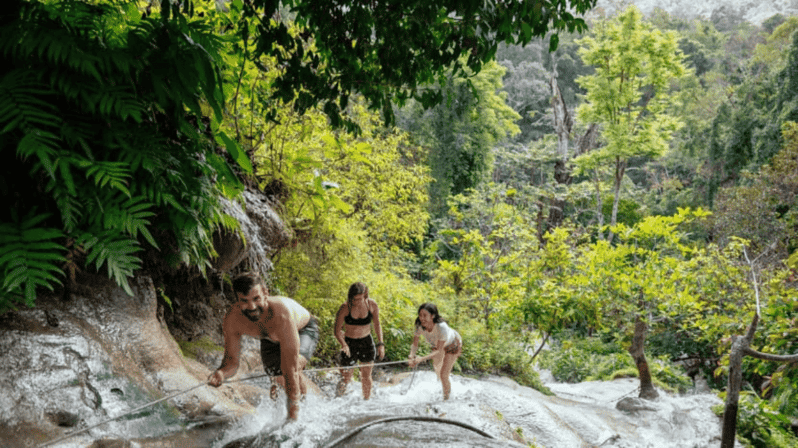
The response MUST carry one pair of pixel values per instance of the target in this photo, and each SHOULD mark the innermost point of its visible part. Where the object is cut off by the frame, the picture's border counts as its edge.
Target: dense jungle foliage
(424, 154)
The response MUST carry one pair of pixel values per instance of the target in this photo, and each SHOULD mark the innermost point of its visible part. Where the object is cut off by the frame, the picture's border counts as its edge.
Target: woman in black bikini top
(349, 320)
(357, 344)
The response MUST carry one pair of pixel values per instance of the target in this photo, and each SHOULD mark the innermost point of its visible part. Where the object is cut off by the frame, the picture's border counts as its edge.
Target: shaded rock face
(108, 354)
(198, 304)
(70, 364)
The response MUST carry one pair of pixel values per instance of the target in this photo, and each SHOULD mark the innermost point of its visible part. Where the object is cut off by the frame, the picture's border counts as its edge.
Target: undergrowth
(590, 359)
(759, 424)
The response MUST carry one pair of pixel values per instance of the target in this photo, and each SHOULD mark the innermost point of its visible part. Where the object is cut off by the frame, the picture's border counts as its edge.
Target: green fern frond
(130, 217)
(68, 205)
(115, 251)
(77, 133)
(159, 196)
(105, 173)
(43, 146)
(23, 104)
(230, 223)
(42, 35)
(31, 259)
(118, 102)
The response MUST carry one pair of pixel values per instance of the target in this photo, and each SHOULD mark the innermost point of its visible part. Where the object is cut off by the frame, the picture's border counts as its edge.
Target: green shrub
(590, 359)
(759, 424)
(499, 352)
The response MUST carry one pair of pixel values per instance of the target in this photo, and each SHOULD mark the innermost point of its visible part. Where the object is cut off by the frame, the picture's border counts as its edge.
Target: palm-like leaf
(31, 258)
(105, 118)
(116, 253)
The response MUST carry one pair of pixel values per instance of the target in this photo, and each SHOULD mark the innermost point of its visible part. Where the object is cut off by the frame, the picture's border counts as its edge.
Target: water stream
(580, 415)
(489, 412)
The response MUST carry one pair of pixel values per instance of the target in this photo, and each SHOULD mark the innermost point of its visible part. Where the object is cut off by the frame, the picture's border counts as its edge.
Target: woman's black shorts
(362, 350)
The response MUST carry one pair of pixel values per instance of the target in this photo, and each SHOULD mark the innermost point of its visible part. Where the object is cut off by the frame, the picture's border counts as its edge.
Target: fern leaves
(31, 258)
(130, 217)
(114, 174)
(114, 252)
(101, 119)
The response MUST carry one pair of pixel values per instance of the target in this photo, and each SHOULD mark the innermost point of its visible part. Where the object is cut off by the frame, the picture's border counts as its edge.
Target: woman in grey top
(447, 345)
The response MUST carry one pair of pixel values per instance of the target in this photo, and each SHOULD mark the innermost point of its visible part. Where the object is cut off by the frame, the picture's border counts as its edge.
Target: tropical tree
(461, 132)
(482, 250)
(764, 211)
(627, 289)
(113, 112)
(103, 124)
(629, 94)
(387, 50)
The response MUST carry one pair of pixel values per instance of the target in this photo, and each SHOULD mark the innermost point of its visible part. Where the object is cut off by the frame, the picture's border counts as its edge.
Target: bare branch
(768, 357)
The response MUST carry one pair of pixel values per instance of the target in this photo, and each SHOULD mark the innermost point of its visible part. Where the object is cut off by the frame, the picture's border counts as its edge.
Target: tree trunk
(647, 390)
(542, 344)
(599, 204)
(738, 350)
(733, 393)
(620, 169)
(562, 126)
(741, 346)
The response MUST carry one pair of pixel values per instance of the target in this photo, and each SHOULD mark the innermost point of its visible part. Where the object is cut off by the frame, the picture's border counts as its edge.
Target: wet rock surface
(108, 355)
(93, 352)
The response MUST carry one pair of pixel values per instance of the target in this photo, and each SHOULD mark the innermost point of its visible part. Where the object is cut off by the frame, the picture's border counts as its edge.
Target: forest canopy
(106, 106)
(470, 153)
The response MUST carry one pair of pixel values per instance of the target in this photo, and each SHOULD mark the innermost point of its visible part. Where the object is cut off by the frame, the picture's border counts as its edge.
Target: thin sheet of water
(579, 415)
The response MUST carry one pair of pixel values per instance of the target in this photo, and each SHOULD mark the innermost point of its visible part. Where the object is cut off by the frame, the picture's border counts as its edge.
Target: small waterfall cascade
(578, 416)
(259, 224)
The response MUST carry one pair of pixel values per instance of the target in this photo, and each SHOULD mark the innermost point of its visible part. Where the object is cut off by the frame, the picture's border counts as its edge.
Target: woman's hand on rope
(345, 350)
(413, 361)
(381, 352)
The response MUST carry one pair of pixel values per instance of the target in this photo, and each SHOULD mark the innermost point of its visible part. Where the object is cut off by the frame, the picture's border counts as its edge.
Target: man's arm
(232, 352)
(288, 335)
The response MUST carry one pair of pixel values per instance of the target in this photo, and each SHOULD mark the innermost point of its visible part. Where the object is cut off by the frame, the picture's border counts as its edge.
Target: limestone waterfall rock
(262, 232)
(68, 365)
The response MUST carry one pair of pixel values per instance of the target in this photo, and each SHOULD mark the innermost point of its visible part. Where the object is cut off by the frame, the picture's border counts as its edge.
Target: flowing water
(580, 415)
(408, 411)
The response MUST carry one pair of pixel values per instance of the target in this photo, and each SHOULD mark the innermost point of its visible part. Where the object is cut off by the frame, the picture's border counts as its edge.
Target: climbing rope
(138, 409)
(360, 428)
(74, 433)
(635, 390)
(322, 369)
(411, 381)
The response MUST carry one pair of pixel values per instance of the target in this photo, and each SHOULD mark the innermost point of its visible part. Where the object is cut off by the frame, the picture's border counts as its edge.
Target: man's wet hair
(244, 282)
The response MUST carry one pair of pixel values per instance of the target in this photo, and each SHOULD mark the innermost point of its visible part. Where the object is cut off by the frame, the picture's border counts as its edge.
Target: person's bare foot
(340, 389)
(273, 392)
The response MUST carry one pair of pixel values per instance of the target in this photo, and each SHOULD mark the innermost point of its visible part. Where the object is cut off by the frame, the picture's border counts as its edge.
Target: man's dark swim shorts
(270, 351)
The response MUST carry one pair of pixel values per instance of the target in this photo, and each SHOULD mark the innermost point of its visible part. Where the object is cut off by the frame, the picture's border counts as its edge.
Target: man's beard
(253, 315)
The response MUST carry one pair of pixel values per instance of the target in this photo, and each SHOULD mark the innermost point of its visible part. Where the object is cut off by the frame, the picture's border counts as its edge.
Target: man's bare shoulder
(278, 301)
(231, 324)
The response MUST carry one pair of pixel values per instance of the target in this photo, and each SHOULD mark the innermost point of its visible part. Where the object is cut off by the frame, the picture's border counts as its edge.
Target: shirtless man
(287, 331)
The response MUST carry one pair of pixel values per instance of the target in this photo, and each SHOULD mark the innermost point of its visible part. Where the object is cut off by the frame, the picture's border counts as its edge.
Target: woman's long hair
(355, 289)
(433, 310)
